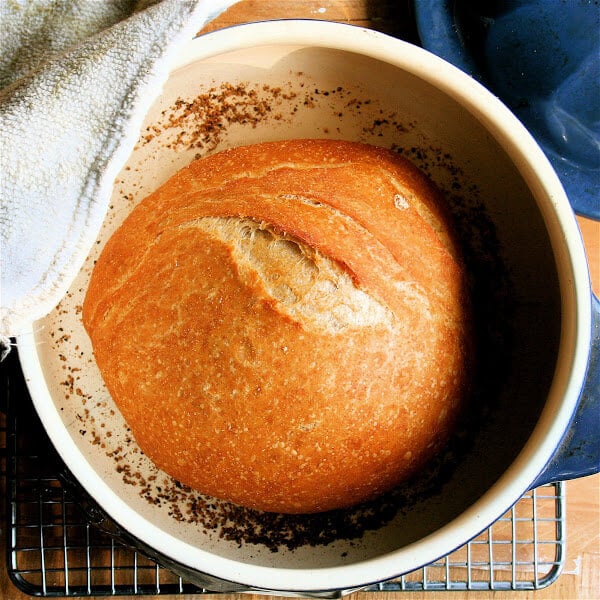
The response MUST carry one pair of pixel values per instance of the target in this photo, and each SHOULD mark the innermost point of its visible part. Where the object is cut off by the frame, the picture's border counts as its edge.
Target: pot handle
(579, 452)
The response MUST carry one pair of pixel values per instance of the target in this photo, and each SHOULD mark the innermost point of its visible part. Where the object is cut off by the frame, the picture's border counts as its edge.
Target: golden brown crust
(284, 325)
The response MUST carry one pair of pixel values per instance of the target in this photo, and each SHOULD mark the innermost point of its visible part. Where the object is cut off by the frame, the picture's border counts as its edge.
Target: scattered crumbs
(199, 124)
(274, 531)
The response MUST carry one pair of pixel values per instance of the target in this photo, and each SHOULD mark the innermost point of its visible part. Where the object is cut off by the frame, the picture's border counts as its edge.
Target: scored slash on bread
(286, 325)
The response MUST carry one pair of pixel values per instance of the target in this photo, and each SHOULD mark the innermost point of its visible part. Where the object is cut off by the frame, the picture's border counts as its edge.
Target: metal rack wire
(54, 551)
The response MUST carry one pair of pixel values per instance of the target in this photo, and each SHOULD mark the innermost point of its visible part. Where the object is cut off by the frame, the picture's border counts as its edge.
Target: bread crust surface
(285, 325)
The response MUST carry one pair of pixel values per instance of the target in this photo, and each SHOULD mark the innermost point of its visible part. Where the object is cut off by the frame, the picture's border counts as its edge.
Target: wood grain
(581, 576)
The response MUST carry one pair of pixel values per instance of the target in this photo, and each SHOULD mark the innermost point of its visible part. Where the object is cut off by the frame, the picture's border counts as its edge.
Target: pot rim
(574, 340)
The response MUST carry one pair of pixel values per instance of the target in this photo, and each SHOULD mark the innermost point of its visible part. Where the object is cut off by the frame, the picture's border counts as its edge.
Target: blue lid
(542, 59)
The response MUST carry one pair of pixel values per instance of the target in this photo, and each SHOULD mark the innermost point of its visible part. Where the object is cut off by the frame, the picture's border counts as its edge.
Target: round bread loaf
(285, 325)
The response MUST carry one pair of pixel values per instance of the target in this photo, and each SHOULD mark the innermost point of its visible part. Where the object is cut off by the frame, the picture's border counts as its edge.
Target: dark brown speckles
(200, 124)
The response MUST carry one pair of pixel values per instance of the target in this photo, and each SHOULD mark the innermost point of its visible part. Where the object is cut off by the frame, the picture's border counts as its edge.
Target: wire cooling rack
(54, 551)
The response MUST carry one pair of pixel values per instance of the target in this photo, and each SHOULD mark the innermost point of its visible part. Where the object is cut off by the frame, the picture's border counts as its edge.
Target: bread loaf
(285, 325)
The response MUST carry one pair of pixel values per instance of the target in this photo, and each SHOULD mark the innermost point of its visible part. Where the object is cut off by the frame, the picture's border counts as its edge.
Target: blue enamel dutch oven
(542, 58)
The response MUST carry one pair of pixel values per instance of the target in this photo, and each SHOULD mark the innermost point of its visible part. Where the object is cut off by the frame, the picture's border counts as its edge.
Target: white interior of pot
(282, 90)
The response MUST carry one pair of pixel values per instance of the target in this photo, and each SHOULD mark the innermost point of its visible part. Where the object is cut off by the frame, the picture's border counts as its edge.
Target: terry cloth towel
(77, 78)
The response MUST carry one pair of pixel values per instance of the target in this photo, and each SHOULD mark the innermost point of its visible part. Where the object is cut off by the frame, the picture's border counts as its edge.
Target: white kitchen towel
(77, 78)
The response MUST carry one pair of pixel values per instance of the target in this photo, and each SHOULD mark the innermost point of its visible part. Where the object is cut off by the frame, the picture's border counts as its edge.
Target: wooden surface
(581, 575)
